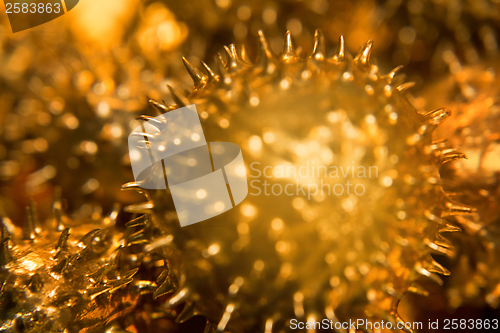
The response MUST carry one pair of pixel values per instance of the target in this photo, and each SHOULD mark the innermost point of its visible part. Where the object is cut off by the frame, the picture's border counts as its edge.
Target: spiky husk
(73, 275)
(274, 258)
(472, 92)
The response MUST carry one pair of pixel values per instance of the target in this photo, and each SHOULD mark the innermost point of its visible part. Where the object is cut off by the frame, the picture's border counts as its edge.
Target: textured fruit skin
(472, 95)
(70, 275)
(274, 258)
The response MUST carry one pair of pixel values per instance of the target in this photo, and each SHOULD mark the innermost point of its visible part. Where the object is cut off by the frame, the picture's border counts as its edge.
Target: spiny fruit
(70, 275)
(473, 93)
(308, 255)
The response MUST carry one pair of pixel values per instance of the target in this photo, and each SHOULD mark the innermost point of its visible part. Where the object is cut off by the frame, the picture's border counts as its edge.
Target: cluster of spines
(97, 263)
(472, 86)
(268, 63)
